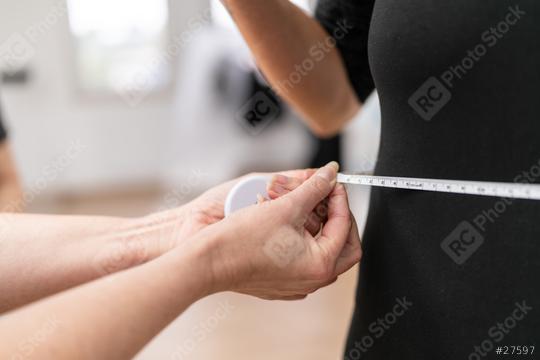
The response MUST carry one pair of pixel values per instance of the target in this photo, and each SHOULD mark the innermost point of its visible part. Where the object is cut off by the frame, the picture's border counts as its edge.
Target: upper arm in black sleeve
(3, 133)
(348, 22)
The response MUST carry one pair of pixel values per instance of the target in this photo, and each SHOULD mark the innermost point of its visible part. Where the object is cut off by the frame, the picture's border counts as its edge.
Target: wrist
(160, 232)
(207, 247)
(132, 242)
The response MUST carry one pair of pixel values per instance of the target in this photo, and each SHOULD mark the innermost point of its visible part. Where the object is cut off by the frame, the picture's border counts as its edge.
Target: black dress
(447, 276)
(3, 133)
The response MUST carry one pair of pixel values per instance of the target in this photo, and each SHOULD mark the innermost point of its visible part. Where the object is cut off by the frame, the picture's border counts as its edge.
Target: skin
(282, 37)
(281, 184)
(10, 189)
(199, 253)
(264, 250)
(89, 247)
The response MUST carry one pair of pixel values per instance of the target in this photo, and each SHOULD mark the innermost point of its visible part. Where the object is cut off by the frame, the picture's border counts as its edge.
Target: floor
(231, 326)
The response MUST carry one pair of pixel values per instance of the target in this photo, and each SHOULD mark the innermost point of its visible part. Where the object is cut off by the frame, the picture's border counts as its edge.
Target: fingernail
(278, 189)
(260, 199)
(329, 171)
(280, 179)
(334, 164)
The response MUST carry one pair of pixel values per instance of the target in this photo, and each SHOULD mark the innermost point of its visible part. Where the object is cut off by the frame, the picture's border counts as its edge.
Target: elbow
(225, 3)
(332, 123)
(11, 196)
(325, 130)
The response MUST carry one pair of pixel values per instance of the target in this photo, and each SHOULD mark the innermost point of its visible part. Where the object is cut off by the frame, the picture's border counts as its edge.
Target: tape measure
(481, 188)
(246, 191)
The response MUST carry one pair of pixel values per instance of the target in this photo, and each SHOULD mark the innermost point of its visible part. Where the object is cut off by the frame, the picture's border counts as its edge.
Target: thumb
(315, 189)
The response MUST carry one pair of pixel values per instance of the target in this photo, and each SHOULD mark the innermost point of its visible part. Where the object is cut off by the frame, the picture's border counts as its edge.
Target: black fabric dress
(447, 276)
(3, 133)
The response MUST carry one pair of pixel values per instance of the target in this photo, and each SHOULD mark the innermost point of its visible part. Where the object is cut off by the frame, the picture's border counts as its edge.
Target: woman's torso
(458, 84)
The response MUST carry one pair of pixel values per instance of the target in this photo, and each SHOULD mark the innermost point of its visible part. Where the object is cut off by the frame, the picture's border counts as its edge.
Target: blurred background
(126, 107)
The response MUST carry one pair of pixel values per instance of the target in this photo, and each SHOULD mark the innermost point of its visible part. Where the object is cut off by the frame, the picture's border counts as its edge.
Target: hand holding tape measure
(245, 193)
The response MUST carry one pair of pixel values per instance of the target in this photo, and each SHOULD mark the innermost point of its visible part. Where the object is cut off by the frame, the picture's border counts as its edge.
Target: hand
(170, 228)
(264, 250)
(208, 208)
(281, 184)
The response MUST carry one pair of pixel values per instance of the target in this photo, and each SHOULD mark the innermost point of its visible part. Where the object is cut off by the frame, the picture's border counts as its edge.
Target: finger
(322, 285)
(336, 230)
(322, 210)
(352, 251)
(281, 185)
(260, 199)
(281, 297)
(303, 174)
(313, 224)
(306, 197)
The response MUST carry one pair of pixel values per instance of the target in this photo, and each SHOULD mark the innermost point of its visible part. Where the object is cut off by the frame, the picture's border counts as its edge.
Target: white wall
(167, 137)
(123, 144)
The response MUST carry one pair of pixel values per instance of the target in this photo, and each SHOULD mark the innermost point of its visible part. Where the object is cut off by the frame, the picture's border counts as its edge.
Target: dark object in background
(262, 107)
(327, 150)
(3, 133)
(16, 77)
(254, 104)
(245, 89)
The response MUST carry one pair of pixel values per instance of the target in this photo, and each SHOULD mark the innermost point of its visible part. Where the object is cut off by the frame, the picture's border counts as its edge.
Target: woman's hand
(144, 239)
(263, 250)
(282, 184)
(208, 208)
(266, 251)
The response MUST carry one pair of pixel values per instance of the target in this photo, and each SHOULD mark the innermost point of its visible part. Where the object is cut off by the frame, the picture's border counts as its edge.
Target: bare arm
(110, 318)
(113, 318)
(41, 255)
(292, 50)
(10, 189)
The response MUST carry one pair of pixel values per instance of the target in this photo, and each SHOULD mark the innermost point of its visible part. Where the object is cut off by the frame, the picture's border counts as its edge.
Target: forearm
(261, 250)
(41, 255)
(11, 197)
(110, 318)
(300, 61)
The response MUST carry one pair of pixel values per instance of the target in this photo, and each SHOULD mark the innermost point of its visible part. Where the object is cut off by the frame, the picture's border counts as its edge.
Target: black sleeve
(347, 21)
(3, 133)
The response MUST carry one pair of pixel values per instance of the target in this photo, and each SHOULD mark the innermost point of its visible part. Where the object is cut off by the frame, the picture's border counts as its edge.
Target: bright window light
(119, 41)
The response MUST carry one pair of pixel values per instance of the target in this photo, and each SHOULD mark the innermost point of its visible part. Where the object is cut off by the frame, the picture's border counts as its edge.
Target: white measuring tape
(245, 192)
(498, 189)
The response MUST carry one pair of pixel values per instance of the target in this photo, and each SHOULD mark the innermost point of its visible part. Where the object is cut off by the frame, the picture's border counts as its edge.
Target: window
(119, 44)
